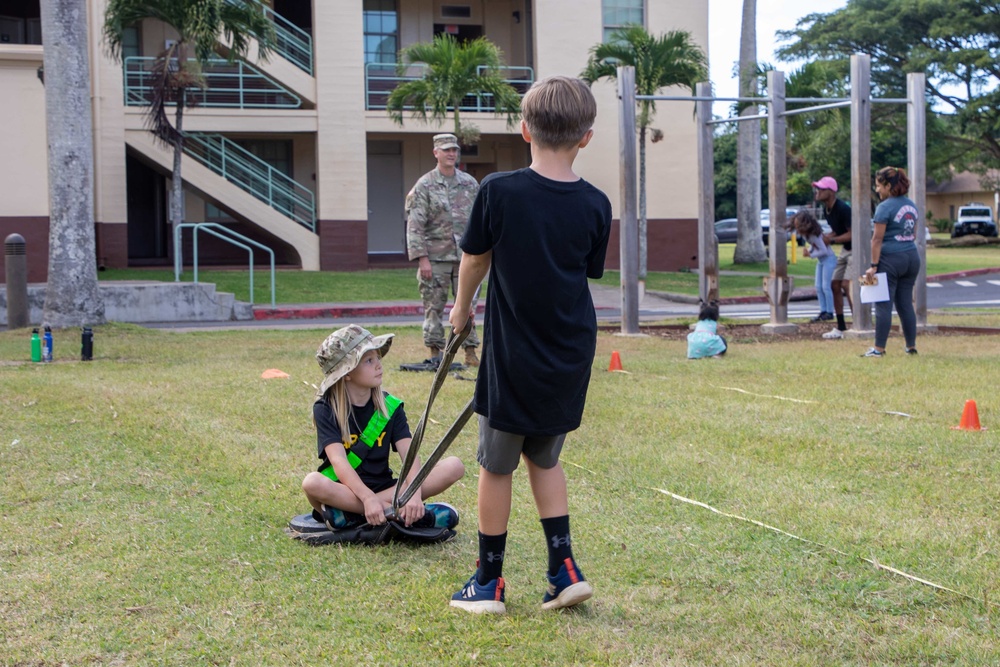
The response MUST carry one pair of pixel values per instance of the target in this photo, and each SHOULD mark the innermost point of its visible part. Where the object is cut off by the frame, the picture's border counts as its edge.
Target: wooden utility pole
(916, 142)
(861, 187)
(628, 225)
(708, 248)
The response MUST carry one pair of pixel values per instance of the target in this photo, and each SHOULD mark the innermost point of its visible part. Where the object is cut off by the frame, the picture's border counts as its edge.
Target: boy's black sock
(491, 549)
(558, 541)
(840, 322)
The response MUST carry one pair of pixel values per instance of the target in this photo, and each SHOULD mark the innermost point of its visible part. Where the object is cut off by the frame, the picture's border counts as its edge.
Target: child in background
(540, 232)
(356, 425)
(704, 341)
(826, 261)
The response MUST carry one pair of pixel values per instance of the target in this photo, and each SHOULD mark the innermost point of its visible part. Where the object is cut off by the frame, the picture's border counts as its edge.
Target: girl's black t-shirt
(374, 470)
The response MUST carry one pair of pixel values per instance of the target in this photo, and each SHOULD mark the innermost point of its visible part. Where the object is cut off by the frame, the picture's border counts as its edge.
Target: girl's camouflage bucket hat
(342, 350)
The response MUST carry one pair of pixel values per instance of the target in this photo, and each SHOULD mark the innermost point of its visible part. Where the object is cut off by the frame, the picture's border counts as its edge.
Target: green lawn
(400, 284)
(145, 494)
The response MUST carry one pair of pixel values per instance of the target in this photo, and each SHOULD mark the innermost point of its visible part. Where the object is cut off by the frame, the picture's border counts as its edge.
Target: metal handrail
(254, 176)
(292, 42)
(209, 228)
(382, 78)
(235, 84)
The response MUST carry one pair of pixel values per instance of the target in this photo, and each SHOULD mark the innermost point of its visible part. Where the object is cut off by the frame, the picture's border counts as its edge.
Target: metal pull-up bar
(777, 285)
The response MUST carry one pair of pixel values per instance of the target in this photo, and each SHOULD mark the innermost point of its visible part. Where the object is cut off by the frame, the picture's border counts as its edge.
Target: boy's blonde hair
(558, 111)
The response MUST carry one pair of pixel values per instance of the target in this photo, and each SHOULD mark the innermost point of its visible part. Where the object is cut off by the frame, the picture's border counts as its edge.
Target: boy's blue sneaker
(567, 587)
(336, 519)
(438, 515)
(485, 599)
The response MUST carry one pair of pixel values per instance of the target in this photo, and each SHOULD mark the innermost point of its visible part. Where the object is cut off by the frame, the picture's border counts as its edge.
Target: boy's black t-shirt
(540, 328)
(374, 470)
(839, 219)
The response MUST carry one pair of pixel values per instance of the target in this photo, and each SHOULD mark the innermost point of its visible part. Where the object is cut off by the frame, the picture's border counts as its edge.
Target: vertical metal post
(708, 248)
(628, 223)
(861, 186)
(16, 274)
(778, 286)
(916, 142)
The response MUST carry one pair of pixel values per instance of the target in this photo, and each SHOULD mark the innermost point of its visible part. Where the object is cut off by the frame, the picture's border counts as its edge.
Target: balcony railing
(237, 85)
(292, 42)
(251, 174)
(382, 78)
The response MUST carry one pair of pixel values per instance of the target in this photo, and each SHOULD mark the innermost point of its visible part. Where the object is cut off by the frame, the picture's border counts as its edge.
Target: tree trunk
(749, 246)
(642, 210)
(71, 295)
(176, 184)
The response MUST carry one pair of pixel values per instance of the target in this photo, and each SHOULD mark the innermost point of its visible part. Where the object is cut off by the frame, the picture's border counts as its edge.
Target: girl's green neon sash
(370, 435)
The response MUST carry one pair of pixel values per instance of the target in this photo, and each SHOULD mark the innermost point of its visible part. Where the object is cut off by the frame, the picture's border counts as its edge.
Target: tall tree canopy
(955, 42)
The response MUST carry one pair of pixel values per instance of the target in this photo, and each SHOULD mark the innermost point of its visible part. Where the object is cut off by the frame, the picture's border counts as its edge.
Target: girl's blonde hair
(336, 397)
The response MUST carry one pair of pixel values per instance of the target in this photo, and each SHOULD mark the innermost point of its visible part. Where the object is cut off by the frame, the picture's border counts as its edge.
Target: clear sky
(724, 19)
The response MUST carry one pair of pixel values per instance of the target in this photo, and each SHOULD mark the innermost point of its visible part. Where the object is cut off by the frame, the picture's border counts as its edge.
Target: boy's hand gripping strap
(401, 497)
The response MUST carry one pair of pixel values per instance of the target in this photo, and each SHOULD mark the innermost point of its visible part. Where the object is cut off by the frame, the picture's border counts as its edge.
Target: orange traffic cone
(616, 362)
(970, 418)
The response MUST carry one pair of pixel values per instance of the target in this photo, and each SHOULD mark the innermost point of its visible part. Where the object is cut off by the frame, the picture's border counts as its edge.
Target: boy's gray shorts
(500, 452)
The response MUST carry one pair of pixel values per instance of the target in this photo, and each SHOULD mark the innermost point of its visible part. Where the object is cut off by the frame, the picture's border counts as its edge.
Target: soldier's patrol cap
(445, 141)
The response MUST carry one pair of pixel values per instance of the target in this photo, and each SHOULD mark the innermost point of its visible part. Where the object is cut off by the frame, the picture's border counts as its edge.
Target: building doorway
(386, 220)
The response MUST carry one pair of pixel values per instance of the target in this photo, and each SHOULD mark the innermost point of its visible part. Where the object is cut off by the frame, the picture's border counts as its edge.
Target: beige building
(299, 154)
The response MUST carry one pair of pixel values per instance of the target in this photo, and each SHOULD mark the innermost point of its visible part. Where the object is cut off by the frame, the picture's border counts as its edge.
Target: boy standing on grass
(540, 232)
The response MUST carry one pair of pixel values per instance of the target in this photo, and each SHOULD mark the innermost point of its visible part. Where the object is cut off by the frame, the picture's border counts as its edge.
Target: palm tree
(200, 25)
(454, 70)
(749, 246)
(72, 297)
(672, 59)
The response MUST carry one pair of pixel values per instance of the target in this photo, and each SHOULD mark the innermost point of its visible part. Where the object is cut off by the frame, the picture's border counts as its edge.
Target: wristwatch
(875, 265)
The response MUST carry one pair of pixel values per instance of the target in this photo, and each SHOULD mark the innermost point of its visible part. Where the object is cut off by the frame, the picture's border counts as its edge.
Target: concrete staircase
(149, 301)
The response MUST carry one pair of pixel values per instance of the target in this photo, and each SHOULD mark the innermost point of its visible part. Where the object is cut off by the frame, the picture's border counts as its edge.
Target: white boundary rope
(872, 561)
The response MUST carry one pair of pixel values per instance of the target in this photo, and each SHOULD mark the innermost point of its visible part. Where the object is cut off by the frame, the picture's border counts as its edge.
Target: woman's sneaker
(567, 587)
(834, 334)
(487, 598)
(872, 352)
(438, 515)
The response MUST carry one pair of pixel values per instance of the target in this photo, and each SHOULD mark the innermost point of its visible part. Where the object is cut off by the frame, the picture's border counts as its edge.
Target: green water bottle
(36, 346)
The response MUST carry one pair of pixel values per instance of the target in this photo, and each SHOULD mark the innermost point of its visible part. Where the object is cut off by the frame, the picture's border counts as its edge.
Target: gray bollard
(17, 281)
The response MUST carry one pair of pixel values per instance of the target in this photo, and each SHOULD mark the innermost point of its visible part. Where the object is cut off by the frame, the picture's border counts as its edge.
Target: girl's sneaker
(487, 598)
(567, 587)
(438, 515)
(834, 334)
(872, 352)
(336, 519)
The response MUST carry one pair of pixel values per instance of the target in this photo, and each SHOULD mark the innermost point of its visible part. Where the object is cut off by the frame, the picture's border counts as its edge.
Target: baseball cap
(826, 183)
(445, 141)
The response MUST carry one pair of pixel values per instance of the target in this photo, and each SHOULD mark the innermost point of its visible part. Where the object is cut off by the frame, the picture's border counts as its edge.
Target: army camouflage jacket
(437, 213)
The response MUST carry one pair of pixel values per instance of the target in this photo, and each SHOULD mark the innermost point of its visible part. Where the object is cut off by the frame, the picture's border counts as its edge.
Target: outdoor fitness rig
(777, 284)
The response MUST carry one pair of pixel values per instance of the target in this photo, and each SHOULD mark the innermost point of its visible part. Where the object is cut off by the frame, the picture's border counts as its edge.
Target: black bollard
(87, 344)
(16, 266)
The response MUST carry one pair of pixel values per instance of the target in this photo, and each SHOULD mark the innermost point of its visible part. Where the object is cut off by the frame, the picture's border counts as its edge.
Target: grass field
(145, 495)
(400, 284)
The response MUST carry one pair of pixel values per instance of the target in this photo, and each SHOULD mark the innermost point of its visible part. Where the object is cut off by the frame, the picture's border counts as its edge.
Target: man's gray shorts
(841, 271)
(500, 452)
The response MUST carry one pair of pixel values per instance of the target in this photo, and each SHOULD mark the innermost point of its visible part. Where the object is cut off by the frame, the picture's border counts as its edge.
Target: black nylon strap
(401, 497)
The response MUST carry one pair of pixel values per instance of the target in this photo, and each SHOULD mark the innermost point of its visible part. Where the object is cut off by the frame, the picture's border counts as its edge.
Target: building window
(617, 14)
(20, 22)
(381, 23)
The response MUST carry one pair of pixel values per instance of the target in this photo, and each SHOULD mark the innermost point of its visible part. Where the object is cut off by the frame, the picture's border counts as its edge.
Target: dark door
(147, 212)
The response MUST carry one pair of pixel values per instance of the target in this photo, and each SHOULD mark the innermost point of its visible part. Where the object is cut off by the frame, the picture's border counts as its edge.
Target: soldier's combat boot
(470, 357)
(434, 355)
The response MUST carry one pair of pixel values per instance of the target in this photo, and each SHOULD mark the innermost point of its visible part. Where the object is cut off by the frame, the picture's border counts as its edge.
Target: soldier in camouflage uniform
(437, 213)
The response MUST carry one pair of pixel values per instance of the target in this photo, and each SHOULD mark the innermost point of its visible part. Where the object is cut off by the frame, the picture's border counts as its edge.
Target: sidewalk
(607, 302)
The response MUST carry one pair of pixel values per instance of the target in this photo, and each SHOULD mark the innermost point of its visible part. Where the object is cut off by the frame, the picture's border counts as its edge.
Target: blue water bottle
(36, 345)
(47, 344)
